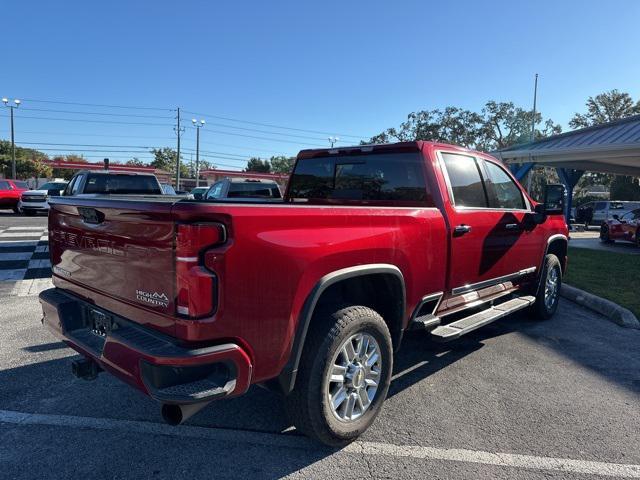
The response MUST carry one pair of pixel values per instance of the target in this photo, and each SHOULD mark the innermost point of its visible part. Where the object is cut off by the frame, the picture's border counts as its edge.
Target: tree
(67, 173)
(606, 107)
(135, 162)
(256, 164)
(282, 164)
(624, 187)
(498, 125)
(165, 159)
(28, 161)
(504, 125)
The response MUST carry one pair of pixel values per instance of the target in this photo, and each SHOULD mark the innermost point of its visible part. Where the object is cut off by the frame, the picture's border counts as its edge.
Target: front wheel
(344, 375)
(604, 234)
(548, 293)
(29, 213)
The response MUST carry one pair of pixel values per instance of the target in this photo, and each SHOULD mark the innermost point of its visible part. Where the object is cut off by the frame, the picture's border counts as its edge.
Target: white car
(33, 201)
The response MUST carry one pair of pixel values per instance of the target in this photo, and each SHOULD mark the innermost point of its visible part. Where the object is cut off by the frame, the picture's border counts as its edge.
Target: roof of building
(609, 147)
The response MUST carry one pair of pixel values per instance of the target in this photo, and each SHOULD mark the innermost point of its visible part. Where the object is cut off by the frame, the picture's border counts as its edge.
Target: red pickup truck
(195, 300)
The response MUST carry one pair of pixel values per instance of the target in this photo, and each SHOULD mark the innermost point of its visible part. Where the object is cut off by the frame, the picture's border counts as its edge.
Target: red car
(10, 192)
(625, 228)
(191, 301)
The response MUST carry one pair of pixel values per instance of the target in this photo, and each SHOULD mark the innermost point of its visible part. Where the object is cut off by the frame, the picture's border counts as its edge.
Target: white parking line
(364, 448)
(20, 234)
(27, 228)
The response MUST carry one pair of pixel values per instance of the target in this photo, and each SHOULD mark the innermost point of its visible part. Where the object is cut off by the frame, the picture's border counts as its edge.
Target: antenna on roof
(106, 164)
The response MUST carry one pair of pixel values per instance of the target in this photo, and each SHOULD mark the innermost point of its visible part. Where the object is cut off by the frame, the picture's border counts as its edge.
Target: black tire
(604, 234)
(638, 237)
(29, 213)
(308, 406)
(541, 309)
(16, 210)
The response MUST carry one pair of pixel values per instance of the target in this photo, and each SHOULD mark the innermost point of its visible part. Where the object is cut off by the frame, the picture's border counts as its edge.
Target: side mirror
(54, 192)
(554, 198)
(616, 216)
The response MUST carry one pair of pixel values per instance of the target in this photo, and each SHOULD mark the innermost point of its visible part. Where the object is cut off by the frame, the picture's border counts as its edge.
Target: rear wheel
(344, 375)
(548, 293)
(16, 210)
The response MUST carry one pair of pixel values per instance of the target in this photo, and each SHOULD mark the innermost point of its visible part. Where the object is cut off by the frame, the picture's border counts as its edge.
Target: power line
(131, 107)
(229, 119)
(167, 139)
(96, 121)
(95, 113)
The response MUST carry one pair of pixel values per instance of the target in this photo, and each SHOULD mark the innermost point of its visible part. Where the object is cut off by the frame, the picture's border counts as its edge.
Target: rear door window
(465, 180)
(501, 189)
(367, 179)
(4, 185)
(600, 206)
(21, 185)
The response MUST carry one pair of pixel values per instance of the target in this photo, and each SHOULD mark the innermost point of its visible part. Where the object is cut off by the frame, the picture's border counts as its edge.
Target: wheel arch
(349, 284)
(557, 245)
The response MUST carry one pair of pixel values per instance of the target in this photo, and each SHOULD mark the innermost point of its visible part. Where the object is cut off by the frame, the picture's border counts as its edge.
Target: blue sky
(341, 67)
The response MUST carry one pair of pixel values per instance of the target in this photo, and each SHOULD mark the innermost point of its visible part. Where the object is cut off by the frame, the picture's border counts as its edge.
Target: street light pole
(13, 143)
(197, 124)
(333, 140)
(178, 131)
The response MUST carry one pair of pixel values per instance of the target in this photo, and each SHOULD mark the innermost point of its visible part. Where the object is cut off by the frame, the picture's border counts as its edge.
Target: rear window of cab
(393, 179)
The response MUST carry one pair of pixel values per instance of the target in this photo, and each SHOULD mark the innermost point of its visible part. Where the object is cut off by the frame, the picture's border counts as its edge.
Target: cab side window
(4, 185)
(502, 191)
(76, 184)
(465, 181)
(215, 191)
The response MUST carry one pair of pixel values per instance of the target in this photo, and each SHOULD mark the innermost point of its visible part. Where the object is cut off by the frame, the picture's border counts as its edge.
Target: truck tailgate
(115, 247)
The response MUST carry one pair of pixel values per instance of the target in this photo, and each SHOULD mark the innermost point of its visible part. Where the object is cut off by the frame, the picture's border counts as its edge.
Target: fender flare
(287, 377)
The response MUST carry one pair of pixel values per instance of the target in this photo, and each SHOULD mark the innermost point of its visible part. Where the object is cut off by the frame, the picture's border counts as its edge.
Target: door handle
(512, 226)
(461, 230)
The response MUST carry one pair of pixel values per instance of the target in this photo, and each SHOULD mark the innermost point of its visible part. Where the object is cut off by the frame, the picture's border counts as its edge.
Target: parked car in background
(598, 212)
(244, 188)
(198, 192)
(87, 182)
(624, 227)
(10, 192)
(167, 189)
(34, 201)
(308, 296)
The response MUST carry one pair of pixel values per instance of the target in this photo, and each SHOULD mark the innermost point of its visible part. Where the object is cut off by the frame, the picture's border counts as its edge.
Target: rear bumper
(145, 359)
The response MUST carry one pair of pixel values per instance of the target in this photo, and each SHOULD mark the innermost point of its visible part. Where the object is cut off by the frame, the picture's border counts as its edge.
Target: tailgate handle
(91, 215)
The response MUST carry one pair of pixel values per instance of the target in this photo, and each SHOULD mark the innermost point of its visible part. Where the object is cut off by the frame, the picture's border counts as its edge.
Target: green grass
(614, 276)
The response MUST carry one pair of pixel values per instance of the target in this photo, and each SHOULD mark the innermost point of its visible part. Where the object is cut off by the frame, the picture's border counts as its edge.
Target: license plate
(101, 323)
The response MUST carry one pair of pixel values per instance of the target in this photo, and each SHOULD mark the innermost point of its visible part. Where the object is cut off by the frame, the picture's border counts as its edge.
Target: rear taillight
(196, 286)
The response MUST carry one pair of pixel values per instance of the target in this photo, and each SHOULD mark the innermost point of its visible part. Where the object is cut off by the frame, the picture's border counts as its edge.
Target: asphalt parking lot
(518, 399)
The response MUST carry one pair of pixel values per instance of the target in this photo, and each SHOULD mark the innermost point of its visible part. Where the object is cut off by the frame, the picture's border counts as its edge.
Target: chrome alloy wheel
(353, 377)
(551, 288)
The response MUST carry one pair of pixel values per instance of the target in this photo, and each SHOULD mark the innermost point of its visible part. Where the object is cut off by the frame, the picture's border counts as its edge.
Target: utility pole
(197, 124)
(533, 117)
(533, 129)
(178, 131)
(17, 102)
(333, 140)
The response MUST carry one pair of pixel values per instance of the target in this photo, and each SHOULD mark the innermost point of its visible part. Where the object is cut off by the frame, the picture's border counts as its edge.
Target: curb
(613, 311)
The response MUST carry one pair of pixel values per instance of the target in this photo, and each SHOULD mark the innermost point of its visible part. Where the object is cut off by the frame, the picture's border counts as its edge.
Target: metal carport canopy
(612, 147)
